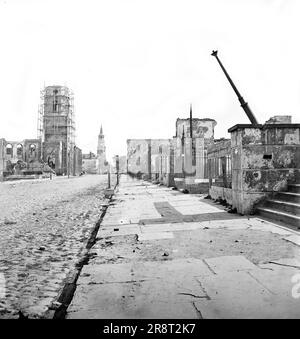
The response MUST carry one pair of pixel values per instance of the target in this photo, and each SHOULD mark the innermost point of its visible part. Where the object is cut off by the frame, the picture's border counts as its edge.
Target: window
(19, 150)
(32, 148)
(9, 149)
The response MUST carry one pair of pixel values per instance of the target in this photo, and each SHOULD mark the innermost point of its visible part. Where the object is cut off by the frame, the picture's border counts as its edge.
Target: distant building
(89, 163)
(54, 150)
(102, 166)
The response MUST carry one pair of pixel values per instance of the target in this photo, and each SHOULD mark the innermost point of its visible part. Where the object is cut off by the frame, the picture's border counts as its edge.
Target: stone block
(236, 157)
(282, 136)
(237, 179)
(253, 157)
(252, 136)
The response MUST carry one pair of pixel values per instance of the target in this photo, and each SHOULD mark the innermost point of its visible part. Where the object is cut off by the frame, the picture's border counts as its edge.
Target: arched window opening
(32, 148)
(19, 150)
(9, 149)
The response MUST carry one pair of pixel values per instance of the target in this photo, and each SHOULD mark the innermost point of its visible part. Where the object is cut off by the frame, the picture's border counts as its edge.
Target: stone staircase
(283, 207)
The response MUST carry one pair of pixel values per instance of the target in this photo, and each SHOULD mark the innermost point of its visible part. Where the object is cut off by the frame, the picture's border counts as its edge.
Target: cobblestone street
(44, 228)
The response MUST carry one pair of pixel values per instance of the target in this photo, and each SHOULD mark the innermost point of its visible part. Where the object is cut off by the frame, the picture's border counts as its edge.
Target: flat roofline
(198, 119)
(264, 126)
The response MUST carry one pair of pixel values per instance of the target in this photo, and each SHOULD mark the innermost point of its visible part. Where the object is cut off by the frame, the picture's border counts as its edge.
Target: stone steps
(283, 207)
(287, 218)
(294, 188)
(288, 196)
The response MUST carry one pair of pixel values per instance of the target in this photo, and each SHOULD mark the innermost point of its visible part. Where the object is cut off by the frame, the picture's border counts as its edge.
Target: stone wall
(139, 157)
(264, 159)
(217, 192)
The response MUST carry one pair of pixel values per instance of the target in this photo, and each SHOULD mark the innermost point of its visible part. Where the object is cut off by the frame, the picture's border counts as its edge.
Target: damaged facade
(245, 170)
(179, 161)
(257, 162)
(54, 150)
(20, 157)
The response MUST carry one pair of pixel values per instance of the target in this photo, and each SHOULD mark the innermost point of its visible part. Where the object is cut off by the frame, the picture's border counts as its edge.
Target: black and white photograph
(149, 162)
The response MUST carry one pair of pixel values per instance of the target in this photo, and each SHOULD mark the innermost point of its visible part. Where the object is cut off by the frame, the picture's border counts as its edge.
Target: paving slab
(155, 236)
(278, 281)
(139, 290)
(117, 231)
(171, 227)
(240, 296)
(226, 264)
(295, 239)
(234, 224)
(197, 208)
(288, 262)
(265, 226)
(143, 310)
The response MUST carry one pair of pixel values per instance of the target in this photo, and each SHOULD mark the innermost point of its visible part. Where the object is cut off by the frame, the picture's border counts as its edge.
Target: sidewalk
(163, 254)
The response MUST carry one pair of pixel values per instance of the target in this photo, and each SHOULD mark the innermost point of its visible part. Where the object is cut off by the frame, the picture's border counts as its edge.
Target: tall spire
(191, 121)
(101, 130)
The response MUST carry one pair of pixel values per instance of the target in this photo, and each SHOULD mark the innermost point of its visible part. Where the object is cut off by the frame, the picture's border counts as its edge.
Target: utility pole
(108, 177)
(68, 166)
(117, 168)
(243, 103)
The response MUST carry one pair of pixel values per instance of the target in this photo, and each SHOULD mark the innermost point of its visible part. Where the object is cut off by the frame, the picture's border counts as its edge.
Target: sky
(136, 65)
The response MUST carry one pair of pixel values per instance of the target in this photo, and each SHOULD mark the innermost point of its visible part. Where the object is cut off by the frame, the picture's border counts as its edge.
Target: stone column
(178, 162)
(188, 168)
(200, 158)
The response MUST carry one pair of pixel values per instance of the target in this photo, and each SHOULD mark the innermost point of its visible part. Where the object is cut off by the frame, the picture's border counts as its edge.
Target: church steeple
(101, 143)
(101, 153)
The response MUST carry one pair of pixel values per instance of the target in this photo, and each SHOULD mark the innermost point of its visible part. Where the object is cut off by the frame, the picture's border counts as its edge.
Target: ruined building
(89, 163)
(260, 161)
(103, 165)
(20, 158)
(256, 170)
(54, 150)
(179, 161)
(57, 130)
